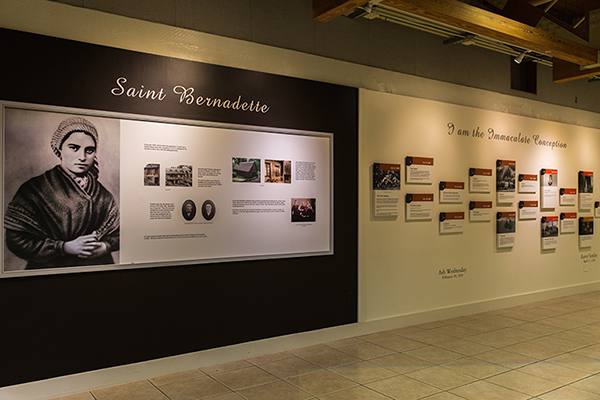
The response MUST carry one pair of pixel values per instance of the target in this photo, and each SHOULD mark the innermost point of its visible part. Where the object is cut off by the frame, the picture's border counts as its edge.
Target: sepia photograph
(180, 175)
(304, 210)
(152, 175)
(208, 210)
(245, 169)
(278, 171)
(61, 190)
(505, 178)
(188, 210)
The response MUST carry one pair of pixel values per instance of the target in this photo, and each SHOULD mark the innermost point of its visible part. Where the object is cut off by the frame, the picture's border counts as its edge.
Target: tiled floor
(548, 350)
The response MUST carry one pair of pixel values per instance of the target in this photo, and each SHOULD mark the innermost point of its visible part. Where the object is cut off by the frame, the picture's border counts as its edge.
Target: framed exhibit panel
(387, 181)
(585, 181)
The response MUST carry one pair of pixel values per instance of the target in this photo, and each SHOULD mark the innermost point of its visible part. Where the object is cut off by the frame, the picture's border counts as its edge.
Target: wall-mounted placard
(568, 196)
(419, 169)
(549, 232)
(528, 209)
(586, 189)
(549, 185)
(419, 206)
(528, 183)
(506, 181)
(386, 189)
(597, 209)
(480, 180)
(452, 192)
(586, 231)
(506, 228)
(452, 222)
(568, 222)
(480, 211)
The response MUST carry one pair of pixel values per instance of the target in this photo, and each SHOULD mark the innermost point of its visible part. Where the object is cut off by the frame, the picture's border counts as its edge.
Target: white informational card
(506, 181)
(549, 232)
(528, 183)
(528, 209)
(452, 222)
(201, 193)
(586, 231)
(480, 211)
(419, 206)
(506, 228)
(549, 187)
(452, 192)
(419, 169)
(568, 196)
(596, 210)
(480, 180)
(586, 190)
(386, 189)
(568, 222)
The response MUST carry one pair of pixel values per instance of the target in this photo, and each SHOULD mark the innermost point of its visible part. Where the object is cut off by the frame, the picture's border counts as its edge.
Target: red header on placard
(508, 162)
(532, 203)
(483, 204)
(455, 215)
(571, 215)
(530, 177)
(552, 218)
(422, 197)
(483, 171)
(455, 185)
(508, 214)
(389, 167)
(422, 160)
(551, 171)
(570, 191)
(587, 173)
(587, 219)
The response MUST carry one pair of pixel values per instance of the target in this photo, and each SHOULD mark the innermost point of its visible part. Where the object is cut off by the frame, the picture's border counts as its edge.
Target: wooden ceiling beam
(563, 71)
(497, 27)
(326, 10)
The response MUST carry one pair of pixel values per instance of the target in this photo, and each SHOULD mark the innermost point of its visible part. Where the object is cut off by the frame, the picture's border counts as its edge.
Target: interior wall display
(452, 192)
(597, 209)
(419, 206)
(568, 196)
(528, 183)
(480, 180)
(138, 224)
(586, 231)
(452, 222)
(568, 222)
(480, 211)
(506, 228)
(528, 209)
(419, 169)
(549, 187)
(549, 232)
(386, 189)
(586, 189)
(506, 181)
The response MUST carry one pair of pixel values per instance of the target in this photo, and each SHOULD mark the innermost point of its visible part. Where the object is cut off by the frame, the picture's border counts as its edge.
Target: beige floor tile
(407, 329)
(77, 396)
(289, 367)
(226, 396)
(577, 362)
(445, 396)
(480, 325)
(591, 352)
(442, 378)
(464, 347)
(144, 394)
(344, 342)
(432, 325)
(591, 330)
(477, 368)
(374, 337)
(193, 389)
(366, 350)
(403, 388)
(583, 317)
(569, 393)
(506, 358)
(330, 358)
(428, 337)
(554, 372)
(244, 378)
(434, 355)
(524, 383)
(557, 343)
(274, 391)
(560, 323)
(533, 350)
(357, 393)
(519, 334)
(398, 343)
(537, 327)
(120, 389)
(309, 349)
(591, 384)
(217, 369)
(493, 339)
(321, 383)
(482, 390)
(455, 331)
(401, 363)
(363, 372)
(180, 376)
(267, 358)
(532, 314)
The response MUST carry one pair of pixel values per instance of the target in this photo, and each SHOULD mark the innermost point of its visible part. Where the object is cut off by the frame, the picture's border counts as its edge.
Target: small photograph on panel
(208, 210)
(304, 210)
(180, 175)
(278, 171)
(505, 178)
(152, 175)
(586, 226)
(550, 228)
(188, 210)
(385, 179)
(586, 182)
(506, 225)
(549, 179)
(245, 169)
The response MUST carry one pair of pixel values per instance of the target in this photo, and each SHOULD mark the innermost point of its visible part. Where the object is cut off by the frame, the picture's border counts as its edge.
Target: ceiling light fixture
(521, 56)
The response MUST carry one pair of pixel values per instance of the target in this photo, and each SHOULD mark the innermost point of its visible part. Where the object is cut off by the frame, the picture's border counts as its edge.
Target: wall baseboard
(77, 383)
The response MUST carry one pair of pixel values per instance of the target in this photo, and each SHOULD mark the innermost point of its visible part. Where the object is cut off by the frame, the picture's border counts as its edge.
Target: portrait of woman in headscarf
(65, 217)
